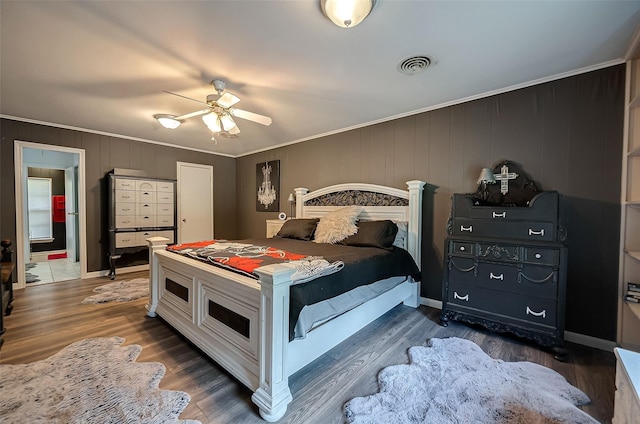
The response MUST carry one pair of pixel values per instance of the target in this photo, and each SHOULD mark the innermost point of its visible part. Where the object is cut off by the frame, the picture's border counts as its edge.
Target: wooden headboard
(377, 202)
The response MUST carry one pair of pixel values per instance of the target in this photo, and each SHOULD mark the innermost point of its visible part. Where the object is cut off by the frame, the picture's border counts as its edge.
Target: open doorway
(49, 213)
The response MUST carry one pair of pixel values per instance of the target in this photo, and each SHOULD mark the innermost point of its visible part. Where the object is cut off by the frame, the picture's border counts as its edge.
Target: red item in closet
(58, 208)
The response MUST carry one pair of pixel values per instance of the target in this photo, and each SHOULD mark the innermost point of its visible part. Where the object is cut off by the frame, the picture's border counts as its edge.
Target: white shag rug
(120, 291)
(453, 381)
(89, 381)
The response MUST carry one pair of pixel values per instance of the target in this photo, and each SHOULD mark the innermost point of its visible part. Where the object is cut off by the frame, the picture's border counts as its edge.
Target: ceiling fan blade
(234, 131)
(184, 97)
(192, 114)
(250, 116)
(227, 100)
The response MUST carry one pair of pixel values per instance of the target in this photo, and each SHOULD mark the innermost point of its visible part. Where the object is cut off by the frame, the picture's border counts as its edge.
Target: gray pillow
(301, 229)
(379, 234)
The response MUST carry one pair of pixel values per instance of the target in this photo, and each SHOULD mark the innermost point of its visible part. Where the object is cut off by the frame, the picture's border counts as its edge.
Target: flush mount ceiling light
(168, 121)
(347, 13)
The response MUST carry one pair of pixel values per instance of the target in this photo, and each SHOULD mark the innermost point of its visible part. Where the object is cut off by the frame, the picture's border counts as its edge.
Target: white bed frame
(265, 359)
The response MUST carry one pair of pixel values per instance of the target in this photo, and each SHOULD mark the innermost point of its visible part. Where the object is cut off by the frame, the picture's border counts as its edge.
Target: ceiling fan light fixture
(212, 121)
(347, 13)
(168, 121)
(227, 122)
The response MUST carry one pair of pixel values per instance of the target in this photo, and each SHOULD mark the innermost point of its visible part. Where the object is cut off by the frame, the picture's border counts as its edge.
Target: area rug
(30, 277)
(120, 291)
(89, 381)
(453, 381)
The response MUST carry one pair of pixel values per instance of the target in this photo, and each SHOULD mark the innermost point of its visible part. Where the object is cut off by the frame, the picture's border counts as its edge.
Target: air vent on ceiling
(414, 65)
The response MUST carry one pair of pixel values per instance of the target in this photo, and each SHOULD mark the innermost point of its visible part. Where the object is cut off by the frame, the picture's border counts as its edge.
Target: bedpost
(299, 203)
(415, 233)
(273, 395)
(155, 243)
(415, 220)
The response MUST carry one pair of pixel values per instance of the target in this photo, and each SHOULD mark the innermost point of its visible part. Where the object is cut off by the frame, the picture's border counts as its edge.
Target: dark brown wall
(566, 135)
(103, 153)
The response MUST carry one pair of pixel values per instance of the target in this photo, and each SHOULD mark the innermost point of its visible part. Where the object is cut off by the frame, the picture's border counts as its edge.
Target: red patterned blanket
(243, 258)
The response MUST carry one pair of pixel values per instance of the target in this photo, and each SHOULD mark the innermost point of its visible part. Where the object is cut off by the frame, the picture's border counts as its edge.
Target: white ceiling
(102, 65)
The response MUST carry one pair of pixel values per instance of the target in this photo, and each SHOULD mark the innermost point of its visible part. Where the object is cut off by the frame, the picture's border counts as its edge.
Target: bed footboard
(240, 323)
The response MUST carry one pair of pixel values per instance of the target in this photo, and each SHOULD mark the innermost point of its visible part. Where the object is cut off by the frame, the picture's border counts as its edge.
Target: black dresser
(505, 268)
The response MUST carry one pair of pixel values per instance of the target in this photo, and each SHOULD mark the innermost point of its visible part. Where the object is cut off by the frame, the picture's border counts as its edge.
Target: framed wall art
(268, 186)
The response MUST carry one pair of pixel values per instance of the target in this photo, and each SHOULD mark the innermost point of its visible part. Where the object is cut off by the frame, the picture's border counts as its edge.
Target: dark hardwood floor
(48, 317)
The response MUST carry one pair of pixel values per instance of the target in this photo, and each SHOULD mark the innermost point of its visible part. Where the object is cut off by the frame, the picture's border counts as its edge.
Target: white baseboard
(569, 336)
(125, 270)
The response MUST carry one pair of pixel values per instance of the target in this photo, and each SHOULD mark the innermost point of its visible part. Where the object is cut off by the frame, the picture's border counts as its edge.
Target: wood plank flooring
(48, 317)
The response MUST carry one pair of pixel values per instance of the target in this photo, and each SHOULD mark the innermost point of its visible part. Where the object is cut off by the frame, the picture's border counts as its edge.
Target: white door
(195, 202)
(27, 154)
(71, 212)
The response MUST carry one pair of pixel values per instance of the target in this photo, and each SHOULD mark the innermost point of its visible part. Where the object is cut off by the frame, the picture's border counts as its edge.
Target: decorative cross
(504, 176)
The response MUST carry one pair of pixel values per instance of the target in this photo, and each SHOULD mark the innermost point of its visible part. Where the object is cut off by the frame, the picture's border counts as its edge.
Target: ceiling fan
(218, 115)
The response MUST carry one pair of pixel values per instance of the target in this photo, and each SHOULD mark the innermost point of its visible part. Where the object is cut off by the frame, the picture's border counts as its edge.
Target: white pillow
(337, 225)
(401, 236)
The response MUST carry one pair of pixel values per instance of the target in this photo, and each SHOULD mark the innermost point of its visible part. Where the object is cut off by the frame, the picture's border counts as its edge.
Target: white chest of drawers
(139, 208)
(627, 400)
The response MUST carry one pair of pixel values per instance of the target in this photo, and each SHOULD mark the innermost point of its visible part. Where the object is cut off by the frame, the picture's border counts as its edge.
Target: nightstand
(273, 226)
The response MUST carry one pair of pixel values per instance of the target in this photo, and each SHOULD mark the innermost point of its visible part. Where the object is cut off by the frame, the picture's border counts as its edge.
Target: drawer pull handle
(538, 256)
(469, 228)
(453, 264)
(492, 276)
(499, 214)
(533, 280)
(536, 233)
(542, 313)
(457, 296)
(462, 248)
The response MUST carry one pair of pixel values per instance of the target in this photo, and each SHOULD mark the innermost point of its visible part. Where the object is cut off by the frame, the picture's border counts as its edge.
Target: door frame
(179, 200)
(20, 179)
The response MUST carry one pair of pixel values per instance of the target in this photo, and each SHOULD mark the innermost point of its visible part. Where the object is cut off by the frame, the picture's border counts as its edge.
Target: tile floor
(54, 270)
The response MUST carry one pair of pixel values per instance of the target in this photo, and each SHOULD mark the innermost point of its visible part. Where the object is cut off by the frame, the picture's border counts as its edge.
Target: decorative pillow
(337, 225)
(379, 234)
(401, 236)
(301, 229)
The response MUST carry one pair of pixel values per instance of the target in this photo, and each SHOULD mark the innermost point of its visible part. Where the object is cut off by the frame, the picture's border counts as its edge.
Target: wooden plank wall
(566, 135)
(103, 153)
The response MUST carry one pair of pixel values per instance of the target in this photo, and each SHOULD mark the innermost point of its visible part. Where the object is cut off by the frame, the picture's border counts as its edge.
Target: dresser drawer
(523, 308)
(125, 196)
(462, 248)
(164, 221)
(521, 230)
(538, 255)
(145, 185)
(125, 221)
(127, 239)
(164, 209)
(125, 184)
(164, 186)
(524, 280)
(148, 209)
(543, 207)
(145, 196)
(144, 235)
(146, 221)
(128, 209)
(164, 197)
